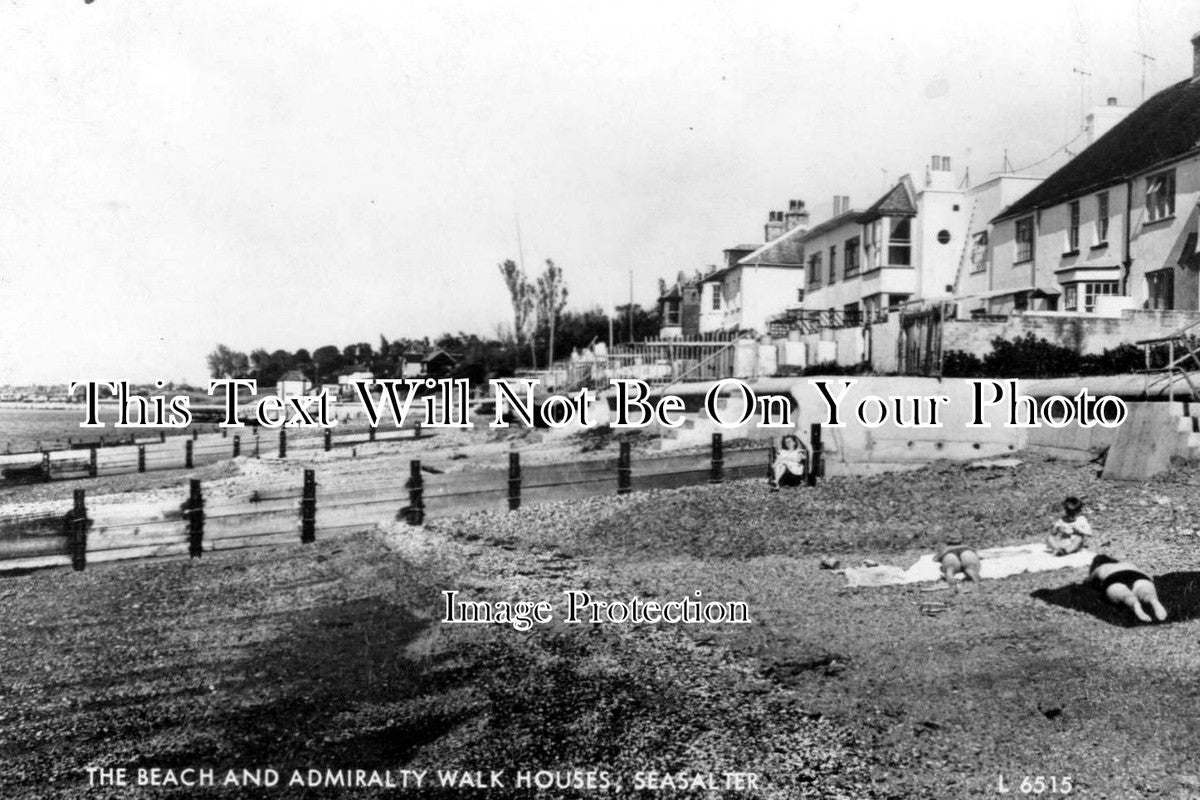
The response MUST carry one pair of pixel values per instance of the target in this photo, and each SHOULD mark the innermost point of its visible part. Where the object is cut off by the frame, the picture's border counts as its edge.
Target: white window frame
(1160, 196)
(1101, 218)
(1073, 226)
(1032, 251)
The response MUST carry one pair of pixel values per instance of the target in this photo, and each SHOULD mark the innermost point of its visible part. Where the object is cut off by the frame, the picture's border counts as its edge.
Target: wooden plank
(571, 491)
(130, 553)
(551, 474)
(670, 480)
(257, 540)
(459, 482)
(34, 562)
(31, 546)
(252, 525)
(452, 505)
(155, 533)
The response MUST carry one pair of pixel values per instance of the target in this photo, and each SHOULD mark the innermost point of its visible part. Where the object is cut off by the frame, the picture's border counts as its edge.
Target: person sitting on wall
(1124, 584)
(791, 462)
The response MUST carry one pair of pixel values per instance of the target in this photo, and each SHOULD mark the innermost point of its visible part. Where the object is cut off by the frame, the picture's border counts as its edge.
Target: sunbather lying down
(1124, 584)
(956, 557)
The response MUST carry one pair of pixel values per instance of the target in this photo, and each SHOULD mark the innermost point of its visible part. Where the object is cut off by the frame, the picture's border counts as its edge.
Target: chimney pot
(1195, 56)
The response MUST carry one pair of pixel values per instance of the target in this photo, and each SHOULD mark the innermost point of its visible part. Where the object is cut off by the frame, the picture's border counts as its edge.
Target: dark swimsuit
(1125, 577)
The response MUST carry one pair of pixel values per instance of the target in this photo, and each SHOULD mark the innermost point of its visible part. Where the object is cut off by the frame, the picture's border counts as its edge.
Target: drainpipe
(1127, 264)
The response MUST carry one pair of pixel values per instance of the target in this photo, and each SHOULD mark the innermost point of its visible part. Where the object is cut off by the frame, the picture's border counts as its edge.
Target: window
(800, 295)
(943, 236)
(1102, 218)
(814, 269)
(874, 233)
(1073, 293)
(716, 298)
(672, 312)
(1160, 196)
(850, 256)
(900, 242)
(1073, 227)
(979, 252)
(851, 314)
(1160, 288)
(1024, 239)
(832, 263)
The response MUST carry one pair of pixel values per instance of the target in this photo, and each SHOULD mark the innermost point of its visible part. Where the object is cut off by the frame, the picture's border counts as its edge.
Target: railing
(1183, 359)
(658, 362)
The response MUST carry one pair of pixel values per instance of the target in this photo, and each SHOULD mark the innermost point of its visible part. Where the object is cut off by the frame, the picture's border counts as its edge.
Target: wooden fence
(182, 452)
(78, 536)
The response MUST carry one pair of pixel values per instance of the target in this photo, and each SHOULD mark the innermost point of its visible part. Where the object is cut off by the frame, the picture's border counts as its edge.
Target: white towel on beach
(995, 562)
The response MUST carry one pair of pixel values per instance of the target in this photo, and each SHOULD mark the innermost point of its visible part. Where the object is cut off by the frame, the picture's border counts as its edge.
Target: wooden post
(141, 458)
(817, 468)
(256, 440)
(771, 455)
(282, 443)
(371, 433)
(416, 430)
(416, 492)
(718, 459)
(308, 508)
(224, 432)
(328, 440)
(514, 480)
(92, 465)
(46, 467)
(77, 533)
(162, 437)
(195, 433)
(187, 454)
(624, 470)
(237, 445)
(193, 511)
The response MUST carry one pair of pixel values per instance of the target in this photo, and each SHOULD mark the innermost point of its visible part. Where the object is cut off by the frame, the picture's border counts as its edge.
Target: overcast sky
(286, 175)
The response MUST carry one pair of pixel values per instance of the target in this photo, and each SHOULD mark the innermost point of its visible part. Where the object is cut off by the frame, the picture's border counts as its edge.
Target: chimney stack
(837, 205)
(1112, 101)
(796, 216)
(1196, 56)
(774, 227)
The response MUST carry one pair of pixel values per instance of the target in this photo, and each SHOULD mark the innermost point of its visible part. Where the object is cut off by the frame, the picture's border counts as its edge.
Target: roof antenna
(1145, 57)
(1007, 166)
(1083, 76)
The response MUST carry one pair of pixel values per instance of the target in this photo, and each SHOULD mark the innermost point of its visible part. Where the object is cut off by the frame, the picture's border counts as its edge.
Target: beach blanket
(995, 562)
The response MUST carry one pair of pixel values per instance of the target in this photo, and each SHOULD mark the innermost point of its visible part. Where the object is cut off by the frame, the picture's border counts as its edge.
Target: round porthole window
(943, 236)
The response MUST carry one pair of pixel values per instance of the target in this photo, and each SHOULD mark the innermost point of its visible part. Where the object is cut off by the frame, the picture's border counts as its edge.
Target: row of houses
(1112, 232)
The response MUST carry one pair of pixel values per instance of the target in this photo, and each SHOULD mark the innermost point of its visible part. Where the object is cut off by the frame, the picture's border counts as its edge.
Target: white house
(756, 282)
(1117, 226)
(292, 384)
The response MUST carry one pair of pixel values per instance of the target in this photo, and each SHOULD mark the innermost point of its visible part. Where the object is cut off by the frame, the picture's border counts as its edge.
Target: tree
(226, 363)
(551, 299)
(521, 292)
(328, 360)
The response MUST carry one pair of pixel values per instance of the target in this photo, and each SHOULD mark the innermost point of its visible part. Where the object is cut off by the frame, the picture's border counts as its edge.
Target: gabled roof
(785, 250)
(897, 202)
(293, 375)
(1162, 129)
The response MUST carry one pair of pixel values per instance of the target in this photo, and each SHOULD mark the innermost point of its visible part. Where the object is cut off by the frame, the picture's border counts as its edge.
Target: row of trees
(543, 331)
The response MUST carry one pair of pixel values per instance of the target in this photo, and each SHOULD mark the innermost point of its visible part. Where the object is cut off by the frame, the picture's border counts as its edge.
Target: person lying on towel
(956, 557)
(1124, 584)
(1071, 530)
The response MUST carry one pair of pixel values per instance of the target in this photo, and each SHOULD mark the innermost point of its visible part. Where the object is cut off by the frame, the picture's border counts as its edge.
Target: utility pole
(1145, 57)
(631, 306)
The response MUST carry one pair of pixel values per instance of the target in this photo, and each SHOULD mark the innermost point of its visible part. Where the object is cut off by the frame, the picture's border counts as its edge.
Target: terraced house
(1116, 228)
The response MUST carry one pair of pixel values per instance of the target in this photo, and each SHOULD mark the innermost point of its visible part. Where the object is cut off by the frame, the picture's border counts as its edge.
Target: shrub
(959, 364)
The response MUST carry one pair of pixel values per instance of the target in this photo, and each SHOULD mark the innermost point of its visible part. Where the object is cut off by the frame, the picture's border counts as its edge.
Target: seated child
(791, 462)
(1070, 531)
(956, 557)
(1124, 584)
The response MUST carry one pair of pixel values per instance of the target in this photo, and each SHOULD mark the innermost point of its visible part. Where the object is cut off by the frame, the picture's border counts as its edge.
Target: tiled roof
(1161, 129)
(898, 201)
(784, 250)
(834, 222)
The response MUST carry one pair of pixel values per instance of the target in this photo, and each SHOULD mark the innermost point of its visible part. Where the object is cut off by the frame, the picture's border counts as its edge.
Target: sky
(287, 175)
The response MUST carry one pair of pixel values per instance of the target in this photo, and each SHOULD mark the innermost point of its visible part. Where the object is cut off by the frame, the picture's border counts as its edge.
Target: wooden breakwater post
(46, 476)
(624, 469)
(370, 433)
(237, 445)
(141, 458)
(416, 430)
(193, 512)
(308, 508)
(514, 480)
(93, 466)
(817, 468)
(77, 530)
(162, 437)
(187, 454)
(328, 440)
(282, 443)
(415, 513)
(717, 473)
(771, 465)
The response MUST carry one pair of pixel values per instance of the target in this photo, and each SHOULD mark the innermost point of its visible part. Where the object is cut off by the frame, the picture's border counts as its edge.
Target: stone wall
(1083, 333)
